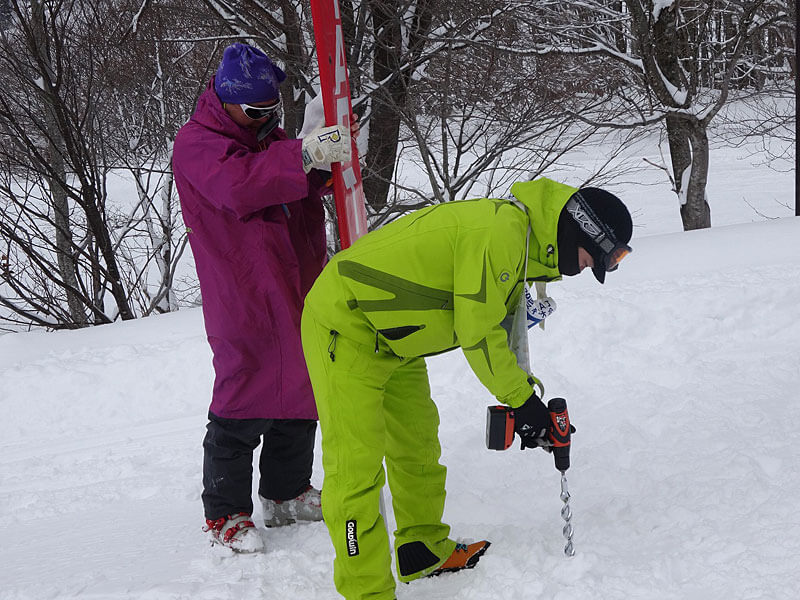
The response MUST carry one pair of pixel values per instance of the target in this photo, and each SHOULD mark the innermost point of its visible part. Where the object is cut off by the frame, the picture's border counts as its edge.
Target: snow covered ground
(682, 375)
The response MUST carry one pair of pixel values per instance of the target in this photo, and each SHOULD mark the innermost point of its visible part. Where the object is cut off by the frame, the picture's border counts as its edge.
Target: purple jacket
(257, 231)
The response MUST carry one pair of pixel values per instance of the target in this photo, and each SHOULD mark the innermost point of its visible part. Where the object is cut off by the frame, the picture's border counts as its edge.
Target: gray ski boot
(306, 507)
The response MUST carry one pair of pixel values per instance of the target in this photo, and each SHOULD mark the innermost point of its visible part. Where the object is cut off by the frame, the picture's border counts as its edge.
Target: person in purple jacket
(251, 201)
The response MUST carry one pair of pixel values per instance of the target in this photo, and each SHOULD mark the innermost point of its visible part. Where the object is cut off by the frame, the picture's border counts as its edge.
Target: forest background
(456, 99)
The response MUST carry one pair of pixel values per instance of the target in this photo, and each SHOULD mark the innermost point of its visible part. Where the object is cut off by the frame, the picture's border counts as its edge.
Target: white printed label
(538, 308)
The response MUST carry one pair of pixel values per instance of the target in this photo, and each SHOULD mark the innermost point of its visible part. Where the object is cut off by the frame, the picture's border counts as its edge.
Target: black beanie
(610, 211)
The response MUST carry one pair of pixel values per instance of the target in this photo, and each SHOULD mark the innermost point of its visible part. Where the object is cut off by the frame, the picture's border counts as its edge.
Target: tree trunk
(97, 224)
(620, 41)
(76, 145)
(67, 265)
(98, 287)
(170, 301)
(5, 14)
(680, 151)
(353, 33)
(689, 151)
(384, 121)
(788, 38)
(688, 143)
(294, 98)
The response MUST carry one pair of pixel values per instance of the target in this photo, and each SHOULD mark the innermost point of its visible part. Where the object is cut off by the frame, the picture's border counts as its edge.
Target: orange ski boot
(463, 557)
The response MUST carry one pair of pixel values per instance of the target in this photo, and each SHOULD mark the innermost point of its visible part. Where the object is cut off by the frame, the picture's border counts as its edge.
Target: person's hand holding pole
(326, 145)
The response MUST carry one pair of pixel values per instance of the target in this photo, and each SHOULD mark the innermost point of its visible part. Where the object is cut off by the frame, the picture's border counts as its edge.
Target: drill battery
(500, 430)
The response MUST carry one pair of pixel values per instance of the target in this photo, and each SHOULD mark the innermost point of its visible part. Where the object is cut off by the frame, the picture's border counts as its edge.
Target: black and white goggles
(612, 251)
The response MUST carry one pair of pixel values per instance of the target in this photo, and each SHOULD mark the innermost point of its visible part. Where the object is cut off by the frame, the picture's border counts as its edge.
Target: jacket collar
(211, 115)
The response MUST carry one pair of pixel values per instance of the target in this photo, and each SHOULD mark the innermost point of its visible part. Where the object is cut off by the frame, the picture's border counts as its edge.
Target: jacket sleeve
(486, 267)
(232, 177)
(320, 183)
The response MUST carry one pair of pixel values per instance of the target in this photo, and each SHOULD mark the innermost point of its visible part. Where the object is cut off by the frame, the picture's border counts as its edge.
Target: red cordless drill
(500, 435)
(500, 430)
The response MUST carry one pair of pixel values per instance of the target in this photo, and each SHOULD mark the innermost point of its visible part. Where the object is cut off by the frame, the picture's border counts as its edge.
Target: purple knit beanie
(247, 75)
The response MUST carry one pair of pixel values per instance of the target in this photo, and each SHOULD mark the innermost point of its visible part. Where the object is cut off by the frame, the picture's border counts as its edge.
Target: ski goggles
(259, 112)
(612, 259)
(611, 250)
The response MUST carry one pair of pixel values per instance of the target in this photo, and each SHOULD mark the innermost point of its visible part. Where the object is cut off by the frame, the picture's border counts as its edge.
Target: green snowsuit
(436, 279)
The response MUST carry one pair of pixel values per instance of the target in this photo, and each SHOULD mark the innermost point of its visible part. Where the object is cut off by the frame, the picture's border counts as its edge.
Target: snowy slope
(682, 375)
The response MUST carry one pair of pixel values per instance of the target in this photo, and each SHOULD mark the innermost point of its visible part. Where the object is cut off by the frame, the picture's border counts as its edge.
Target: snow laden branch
(664, 62)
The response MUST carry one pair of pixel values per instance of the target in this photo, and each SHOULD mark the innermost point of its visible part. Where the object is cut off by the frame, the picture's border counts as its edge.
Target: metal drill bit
(566, 514)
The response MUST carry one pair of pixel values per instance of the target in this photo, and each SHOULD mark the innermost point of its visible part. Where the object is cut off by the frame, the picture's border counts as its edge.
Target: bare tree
(466, 94)
(51, 117)
(38, 43)
(682, 63)
(154, 87)
(83, 101)
(480, 117)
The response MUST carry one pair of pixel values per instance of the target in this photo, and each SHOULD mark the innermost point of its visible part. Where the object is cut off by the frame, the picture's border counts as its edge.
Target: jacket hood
(544, 200)
(211, 115)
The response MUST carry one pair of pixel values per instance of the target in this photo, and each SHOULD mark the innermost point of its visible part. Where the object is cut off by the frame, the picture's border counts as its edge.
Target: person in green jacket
(442, 277)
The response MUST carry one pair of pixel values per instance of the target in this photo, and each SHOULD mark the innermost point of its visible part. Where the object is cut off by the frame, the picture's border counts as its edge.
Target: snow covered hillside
(682, 375)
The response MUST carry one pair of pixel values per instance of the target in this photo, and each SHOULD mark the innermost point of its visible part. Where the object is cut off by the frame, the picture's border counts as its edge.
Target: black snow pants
(285, 465)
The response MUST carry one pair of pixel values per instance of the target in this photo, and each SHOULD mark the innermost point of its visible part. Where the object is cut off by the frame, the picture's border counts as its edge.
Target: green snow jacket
(447, 276)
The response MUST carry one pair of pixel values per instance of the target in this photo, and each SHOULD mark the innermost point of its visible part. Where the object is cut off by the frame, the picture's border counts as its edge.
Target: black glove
(532, 423)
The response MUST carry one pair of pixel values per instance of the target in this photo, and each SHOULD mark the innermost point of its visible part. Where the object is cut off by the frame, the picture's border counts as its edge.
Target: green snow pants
(374, 406)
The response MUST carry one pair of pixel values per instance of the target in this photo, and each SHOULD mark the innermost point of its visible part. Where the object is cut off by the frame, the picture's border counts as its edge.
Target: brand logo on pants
(352, 538)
